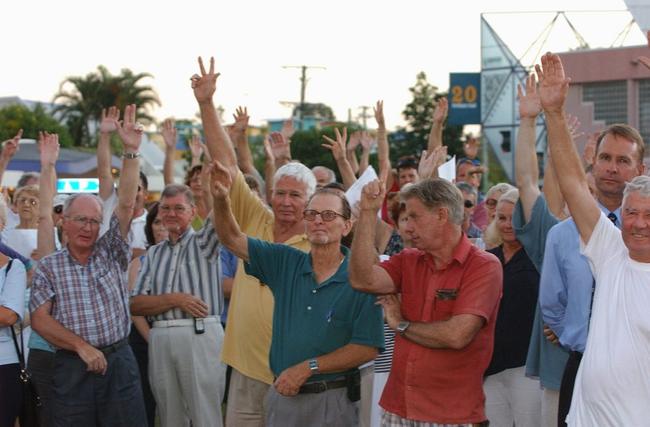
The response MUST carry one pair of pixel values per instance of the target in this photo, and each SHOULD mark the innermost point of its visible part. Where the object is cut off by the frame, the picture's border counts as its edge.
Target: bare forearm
(365, 161)
(244, 155)
(216, 137)
(347, 173)
(168, 166)
(564, 155)
(449, 334)
(348, 357)
(269, 172)
(363, 253)
(3, 167)
(526, 169)
(150, 305)
(142, 326)
(55, 333)
(45, 235)
(104, 166)
(435, 137)
(383, 155)
(552, 193)
(228, 230)
(352, 159)
(129, 181)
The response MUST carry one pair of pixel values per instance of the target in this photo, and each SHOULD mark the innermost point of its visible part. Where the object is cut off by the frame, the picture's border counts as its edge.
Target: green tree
(418, 115)
(318, 110)
(15, 117)
(83, 97)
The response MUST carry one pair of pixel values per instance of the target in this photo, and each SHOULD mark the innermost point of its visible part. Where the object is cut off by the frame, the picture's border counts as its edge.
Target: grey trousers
(331, 408)
(186, 374)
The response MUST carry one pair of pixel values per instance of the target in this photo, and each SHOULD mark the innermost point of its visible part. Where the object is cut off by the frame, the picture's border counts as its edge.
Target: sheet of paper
(448, 170)
(22, 241)
(354, 192)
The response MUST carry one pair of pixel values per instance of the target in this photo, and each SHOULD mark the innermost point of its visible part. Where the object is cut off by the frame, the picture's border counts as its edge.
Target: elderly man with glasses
(322, 328)
(79, 304)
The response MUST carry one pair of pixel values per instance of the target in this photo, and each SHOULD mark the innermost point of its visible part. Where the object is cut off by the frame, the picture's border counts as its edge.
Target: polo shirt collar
(460, 253)
(341, 274)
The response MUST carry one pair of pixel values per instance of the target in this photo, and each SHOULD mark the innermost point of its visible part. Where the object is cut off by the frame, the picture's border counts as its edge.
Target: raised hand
(204, 85)
(372, 196)
(241, 119)
(10, 146)
(470, 147)
(530, 104)
(379, 114)
(430, 162)
(367, 141)
(589, 151)
(196, 148)
(169, 134)
(109, 120)
(574, 127)
(48, 146)
(268, 151)
(280, 146)
(441, 110)
(220, 180)
(553, 83)
(287, 130)
(337, 147)
(129, 130)
(355, 140)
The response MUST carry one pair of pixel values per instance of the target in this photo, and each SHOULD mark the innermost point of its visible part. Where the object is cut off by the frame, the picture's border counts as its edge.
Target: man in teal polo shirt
(322, 328)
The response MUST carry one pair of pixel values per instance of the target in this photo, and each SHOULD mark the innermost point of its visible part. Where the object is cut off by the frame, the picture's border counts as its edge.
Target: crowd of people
(268, 299)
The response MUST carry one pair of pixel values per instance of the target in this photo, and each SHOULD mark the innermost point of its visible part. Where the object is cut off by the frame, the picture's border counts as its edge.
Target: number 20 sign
(464, 98)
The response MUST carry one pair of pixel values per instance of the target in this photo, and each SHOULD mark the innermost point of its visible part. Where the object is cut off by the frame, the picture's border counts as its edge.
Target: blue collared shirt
(565, 288)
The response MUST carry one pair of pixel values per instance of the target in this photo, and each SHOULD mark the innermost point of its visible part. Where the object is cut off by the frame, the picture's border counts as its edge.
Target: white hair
(501, 188)
(640, 185)
(330, 173)
(300, 173)
(68, 202)
(511, 196)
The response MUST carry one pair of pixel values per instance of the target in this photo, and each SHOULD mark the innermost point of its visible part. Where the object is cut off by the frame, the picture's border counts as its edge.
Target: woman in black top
(511, 397)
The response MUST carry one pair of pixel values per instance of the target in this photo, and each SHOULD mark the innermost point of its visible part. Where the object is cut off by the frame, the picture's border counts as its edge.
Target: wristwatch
(402, 327)
(313, 366)
(133, 155)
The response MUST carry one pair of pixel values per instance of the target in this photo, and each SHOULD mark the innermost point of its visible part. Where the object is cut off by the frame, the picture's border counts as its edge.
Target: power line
(303, 88)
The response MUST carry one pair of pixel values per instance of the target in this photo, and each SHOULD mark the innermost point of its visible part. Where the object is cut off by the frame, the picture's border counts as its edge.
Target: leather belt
(321, 386)
(114, 347)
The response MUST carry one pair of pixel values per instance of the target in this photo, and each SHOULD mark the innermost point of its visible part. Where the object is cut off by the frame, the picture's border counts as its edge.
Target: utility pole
(303, 87)
(364, 115)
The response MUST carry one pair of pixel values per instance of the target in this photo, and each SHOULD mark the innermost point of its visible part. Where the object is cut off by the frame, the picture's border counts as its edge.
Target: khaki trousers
(245, 401)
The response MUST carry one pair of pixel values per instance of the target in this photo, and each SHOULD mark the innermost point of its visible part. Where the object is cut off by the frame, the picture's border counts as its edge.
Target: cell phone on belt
(199, 326)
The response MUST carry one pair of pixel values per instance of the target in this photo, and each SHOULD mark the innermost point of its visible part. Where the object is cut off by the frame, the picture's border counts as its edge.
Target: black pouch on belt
(353, 385)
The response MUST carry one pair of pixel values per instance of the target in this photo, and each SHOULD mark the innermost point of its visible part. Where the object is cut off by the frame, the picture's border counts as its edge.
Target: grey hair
(501, 188)
(173, 190)
(467, 188)
(436, 193)
(300, 173)
(511, 196)
(68, 202)
(24, 178)
(328, 171)
(640, 185)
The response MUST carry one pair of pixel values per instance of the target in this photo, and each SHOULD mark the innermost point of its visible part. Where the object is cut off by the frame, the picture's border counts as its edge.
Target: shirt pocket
(443, 303)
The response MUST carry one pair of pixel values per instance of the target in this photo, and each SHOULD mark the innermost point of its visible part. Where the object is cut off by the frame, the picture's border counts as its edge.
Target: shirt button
(309, 307)
(313, 291)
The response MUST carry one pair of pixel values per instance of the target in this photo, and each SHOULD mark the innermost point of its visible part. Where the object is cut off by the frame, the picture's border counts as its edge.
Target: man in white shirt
(612, 387)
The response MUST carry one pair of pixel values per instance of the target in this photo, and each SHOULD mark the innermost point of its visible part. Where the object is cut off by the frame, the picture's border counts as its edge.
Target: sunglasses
(326, 216)
(469, 204)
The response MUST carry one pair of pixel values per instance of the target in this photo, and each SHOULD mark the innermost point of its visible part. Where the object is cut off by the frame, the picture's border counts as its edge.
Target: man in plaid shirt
(80, 304)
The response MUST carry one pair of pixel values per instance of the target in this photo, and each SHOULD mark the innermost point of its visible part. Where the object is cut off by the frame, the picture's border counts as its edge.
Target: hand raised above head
(280, 146)
(204, 85)
(241, 119)
(130, 130)
(169, 134)
(337, 146)
(109, 119)
(441, 110)
(372, 196)
(529, 103)
(10, 147)
(220, 180)
(48, 147)
(379, 114)
(196, 147)
(553, 84)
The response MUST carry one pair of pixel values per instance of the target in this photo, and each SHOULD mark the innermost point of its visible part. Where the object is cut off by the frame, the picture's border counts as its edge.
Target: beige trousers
(245, 401)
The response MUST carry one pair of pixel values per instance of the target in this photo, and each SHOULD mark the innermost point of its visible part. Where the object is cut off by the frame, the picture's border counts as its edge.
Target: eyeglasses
(327, 216)
(469, 204)
(491, 203)
(58, 209)
(27, 201)
(178, 209)
(82, 221)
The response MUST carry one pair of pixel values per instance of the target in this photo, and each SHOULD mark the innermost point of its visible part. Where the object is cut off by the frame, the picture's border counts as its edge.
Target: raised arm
(526, 168)
(196, 150)
(366, 144)
(337, 147)
(131, 134)
(351, 151)
(240, 139)
(383, 153)
(553, 88)
(9, 148)
(106, 127)
(216, 137)
(365, 275)
(168, 132)
(49, 152)
(437, 125)
(227, 228)
(269, 167)
(430, 162)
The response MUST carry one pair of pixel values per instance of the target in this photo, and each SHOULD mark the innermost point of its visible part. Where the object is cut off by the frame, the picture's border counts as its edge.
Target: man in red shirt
(450, 293)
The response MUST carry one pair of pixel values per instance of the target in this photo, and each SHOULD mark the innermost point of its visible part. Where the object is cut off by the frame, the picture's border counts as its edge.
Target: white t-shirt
(612, 387)
(137, 238)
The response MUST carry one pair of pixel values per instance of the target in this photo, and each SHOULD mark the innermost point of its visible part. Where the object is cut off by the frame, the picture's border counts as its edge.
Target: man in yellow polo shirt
(248, 335)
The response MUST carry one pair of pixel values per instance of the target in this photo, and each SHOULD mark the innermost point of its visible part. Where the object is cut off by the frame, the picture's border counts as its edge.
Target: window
(644, 109)
(609, 99)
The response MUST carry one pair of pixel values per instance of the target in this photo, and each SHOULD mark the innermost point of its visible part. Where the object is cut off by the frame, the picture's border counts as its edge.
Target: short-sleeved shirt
(612, 387)
(516, 311)
(91, 300)
(191, 266)
(545, 359)
(311, 319)
(247, 341)
(12, 296)
(443, 385)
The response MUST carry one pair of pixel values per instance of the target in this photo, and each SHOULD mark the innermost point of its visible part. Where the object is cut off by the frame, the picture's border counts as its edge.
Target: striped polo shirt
(191, 266)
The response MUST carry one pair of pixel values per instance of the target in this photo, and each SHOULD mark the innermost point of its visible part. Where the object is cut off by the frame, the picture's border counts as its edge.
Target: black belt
(106, 350)
(321, 386)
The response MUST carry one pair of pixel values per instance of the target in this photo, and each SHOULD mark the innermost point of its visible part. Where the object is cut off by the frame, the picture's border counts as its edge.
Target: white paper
(21, 241)
(354, 192)
(448, 170)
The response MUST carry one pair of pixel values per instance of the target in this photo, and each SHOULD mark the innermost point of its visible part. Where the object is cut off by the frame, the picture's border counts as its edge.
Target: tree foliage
(317, 110)
(16, 117)
(82, 98)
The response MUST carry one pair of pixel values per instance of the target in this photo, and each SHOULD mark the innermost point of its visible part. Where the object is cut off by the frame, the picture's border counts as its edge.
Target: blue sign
(77, 185)
(464, 98)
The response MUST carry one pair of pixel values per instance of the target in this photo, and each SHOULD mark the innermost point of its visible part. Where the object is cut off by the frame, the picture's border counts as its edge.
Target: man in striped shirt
(179, 286)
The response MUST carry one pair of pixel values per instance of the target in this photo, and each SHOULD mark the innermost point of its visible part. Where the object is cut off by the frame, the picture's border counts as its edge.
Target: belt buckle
(322, 386)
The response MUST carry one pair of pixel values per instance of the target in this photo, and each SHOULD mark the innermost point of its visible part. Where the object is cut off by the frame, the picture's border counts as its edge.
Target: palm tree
(82, 99)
